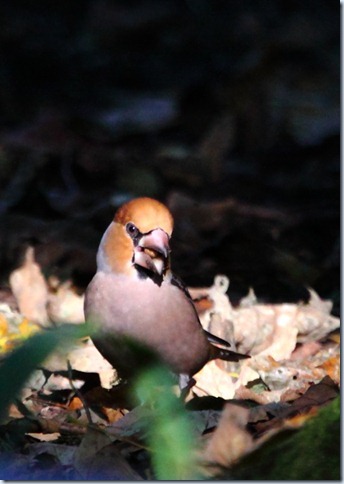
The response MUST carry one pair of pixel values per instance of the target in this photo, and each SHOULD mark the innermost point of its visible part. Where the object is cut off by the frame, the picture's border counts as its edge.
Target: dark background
(228, 111)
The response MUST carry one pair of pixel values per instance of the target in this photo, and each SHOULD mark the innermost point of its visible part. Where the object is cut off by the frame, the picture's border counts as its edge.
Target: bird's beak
(156, 240)
(153, 251)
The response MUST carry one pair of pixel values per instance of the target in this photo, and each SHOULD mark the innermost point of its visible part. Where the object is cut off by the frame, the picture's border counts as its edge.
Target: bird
(135, 296)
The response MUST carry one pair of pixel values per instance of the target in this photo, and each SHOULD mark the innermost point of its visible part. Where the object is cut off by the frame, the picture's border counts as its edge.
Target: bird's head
(138, 238)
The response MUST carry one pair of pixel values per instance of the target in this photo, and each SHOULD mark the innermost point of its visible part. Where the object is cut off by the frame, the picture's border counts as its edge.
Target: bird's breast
(160, 316)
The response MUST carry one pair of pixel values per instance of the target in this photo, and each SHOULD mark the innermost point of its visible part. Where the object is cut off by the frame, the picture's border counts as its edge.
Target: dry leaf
(109, 464)
(270, 333)
(96, 458)
(262, 398)
(299, 420)
(314, 320)
(305, 350)
(214, 381)
(83, 356)
(13, 328)
(64, 453)
(44, 437)
(64, 304)
(30, 289)
(94, 440)
(211, 380)
(265, 329)
(318, 394)
(332, 367)
(280, 415)
(230, 440)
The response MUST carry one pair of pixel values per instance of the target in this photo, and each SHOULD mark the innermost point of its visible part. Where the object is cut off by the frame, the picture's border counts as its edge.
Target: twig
(79, 394)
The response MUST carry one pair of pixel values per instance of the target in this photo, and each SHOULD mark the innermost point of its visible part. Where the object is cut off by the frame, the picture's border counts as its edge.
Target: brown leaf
(231, 439)
(317, 394)
(300, 419)
(305, 350)
(97, 458)
(266, 417)
(244, 393)
(109, 464)
(332, 367)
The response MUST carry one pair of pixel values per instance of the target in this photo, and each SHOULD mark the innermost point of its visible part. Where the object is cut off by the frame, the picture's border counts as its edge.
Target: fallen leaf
(332, 367)
(44, 437)
(267, 417)
(97, 459)
(109, 464)
(64, 304)
(13, 328)
(30, 289)
(64, 453)
(231, 439)
(305, 350)
(314, 320)
(211, 380)
(317, 394)
(299, 420)
(94, 440)
(264, 329)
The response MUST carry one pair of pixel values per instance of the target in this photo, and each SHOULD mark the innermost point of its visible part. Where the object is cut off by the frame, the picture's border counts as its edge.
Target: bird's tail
(226, 355)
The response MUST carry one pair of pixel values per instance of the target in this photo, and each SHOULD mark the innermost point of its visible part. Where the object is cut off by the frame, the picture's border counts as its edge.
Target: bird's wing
(176, 281)
(226, 355)
(212, 338)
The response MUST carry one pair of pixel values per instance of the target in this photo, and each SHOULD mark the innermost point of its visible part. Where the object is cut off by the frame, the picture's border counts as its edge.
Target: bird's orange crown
(147, 214)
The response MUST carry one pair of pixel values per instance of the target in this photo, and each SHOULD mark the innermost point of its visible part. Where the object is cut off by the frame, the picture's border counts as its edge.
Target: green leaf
(170, 434)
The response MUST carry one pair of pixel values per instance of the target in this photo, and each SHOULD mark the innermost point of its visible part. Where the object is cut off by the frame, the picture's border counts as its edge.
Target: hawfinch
(135, 294)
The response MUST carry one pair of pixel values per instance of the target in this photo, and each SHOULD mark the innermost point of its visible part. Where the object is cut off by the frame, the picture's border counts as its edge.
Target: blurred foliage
(168, 432)
(312, 452)
(18, 365)
(170, 435)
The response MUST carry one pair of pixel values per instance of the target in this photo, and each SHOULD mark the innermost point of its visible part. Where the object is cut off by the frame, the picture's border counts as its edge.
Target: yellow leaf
(27, 328)
(3, 326)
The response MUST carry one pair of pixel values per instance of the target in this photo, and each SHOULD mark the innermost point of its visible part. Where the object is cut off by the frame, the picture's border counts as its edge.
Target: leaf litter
(235, 408)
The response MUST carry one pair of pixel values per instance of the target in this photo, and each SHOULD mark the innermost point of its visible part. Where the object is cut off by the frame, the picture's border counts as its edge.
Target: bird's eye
(132, 230)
